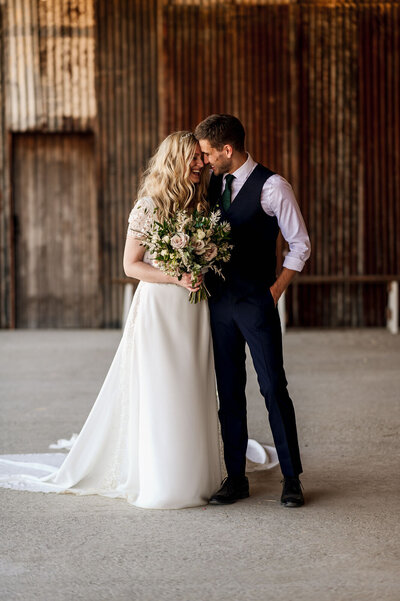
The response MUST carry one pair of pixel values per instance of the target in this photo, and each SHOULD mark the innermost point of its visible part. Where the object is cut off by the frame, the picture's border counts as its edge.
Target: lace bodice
(141, 218)
(140, 221)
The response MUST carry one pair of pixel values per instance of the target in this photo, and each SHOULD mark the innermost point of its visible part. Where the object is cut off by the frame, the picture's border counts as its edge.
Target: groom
(257, 203)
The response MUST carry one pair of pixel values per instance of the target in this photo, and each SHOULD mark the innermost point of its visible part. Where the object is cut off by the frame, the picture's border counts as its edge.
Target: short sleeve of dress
(141, 218)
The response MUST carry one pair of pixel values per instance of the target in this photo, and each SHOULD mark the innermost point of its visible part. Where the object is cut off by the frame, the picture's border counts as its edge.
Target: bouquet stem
(201, 294)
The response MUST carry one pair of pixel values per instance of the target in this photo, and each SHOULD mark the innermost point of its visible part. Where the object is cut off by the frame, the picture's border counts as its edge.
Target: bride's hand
(186, 282)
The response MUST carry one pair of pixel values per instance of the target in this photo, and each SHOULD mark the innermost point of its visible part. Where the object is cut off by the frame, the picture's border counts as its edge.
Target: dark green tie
(226, 196)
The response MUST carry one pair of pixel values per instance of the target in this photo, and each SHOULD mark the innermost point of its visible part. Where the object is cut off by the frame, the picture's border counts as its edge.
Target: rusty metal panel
(320, 105)
(329, 160)
(225, 58)
(379, 55)
(242, 59)
(58, 94)
(315, 82)
(128, 128)
(351, 202)
(6, 282)
(230, 2)
(350, 98)
(51, 63)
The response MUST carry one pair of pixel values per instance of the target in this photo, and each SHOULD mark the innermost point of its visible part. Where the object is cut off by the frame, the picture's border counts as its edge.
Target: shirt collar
(244, 170)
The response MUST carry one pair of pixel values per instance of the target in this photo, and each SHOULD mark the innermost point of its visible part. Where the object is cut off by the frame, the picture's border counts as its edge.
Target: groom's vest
(252, 267)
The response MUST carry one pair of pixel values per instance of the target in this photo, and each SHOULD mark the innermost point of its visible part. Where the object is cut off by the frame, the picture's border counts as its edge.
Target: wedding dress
(152, 434)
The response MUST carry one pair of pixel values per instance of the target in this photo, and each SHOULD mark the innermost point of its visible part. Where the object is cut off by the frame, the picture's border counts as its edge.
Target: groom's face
(220, 161)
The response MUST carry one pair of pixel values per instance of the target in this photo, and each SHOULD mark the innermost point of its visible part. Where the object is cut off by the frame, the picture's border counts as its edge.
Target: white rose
(165, 239)
(200, 234)
(210, 251)
(179, 240)
(198, 246)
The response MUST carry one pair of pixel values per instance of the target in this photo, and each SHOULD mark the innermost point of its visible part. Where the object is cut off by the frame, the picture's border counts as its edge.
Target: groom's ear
(228, 149)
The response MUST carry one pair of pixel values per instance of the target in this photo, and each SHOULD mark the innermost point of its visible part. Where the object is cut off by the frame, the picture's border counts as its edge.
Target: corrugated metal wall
(330, 163)
(226, 58)
(128, 122)
(379, 102)
(48, 68)
(349, 131)
(51, 65)
(6, 242)
(316, 84)
(239, 59)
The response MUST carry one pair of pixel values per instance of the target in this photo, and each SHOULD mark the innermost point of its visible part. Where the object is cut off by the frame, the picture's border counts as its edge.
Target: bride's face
(196, 166)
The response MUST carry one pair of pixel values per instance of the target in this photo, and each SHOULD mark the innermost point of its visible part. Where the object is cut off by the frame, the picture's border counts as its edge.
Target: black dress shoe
(231, 491)
(292, 495)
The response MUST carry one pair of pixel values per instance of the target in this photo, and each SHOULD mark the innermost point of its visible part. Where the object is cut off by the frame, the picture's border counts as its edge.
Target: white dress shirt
(278, 200)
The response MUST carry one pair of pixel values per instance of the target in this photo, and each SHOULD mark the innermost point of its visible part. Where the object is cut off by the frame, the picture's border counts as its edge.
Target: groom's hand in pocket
(282, 282)
(274, 295)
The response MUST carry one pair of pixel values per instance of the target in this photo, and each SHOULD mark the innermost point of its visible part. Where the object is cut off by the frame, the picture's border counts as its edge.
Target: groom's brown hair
(220, 130)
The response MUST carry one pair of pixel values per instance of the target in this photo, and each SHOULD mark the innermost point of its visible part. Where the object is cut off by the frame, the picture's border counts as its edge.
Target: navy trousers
(254, 320)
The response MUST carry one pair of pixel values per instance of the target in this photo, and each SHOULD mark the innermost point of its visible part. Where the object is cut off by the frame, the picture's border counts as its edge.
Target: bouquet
(190, 243)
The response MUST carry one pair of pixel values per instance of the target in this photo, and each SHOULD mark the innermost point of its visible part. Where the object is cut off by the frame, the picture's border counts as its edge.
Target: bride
(152, 434)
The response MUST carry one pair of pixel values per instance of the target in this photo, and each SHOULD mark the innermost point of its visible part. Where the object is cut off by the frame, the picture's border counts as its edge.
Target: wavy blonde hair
(167, 177)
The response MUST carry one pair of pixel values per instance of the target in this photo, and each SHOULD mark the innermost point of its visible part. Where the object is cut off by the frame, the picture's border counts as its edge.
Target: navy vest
(252, 267)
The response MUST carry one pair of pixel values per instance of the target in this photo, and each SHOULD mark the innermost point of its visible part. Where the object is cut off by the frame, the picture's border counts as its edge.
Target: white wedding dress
(152, 434)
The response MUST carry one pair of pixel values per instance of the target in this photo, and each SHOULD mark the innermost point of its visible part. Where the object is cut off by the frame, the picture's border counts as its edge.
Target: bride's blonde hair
(167, 177)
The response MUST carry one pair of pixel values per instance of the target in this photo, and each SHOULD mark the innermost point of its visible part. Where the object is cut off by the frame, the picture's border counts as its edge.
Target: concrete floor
(343, 545)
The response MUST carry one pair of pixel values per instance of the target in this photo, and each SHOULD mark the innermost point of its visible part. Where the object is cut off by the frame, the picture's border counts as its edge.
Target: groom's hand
(275, 294)
(282, 282)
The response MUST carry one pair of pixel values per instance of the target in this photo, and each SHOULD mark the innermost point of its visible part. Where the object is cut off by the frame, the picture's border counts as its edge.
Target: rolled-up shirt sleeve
(278, 199)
